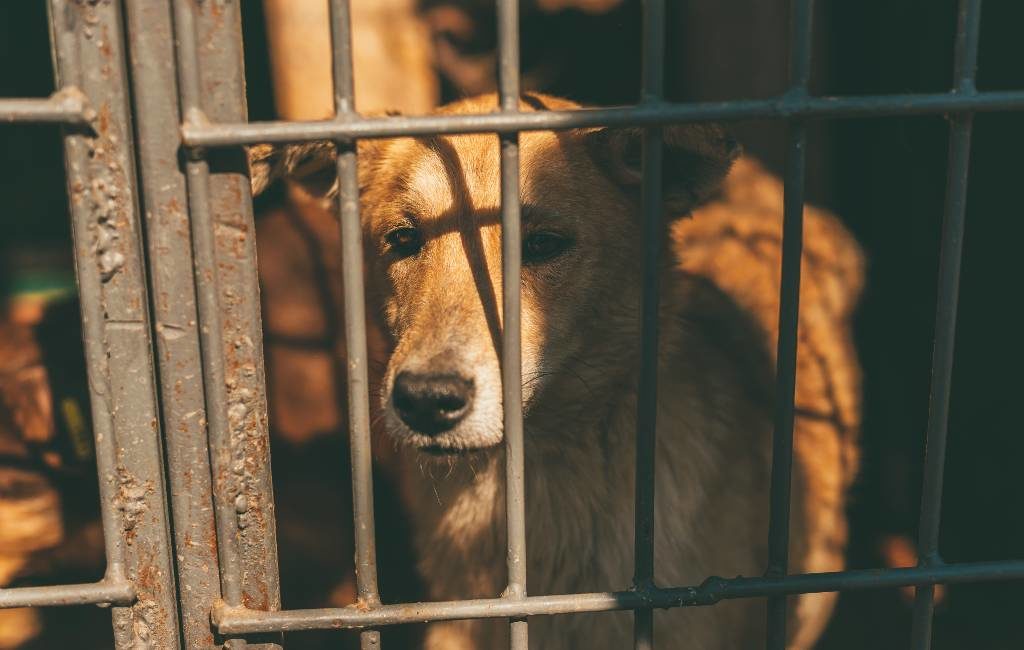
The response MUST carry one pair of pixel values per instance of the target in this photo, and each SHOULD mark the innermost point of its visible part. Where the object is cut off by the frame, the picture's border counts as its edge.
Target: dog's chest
(578, 533)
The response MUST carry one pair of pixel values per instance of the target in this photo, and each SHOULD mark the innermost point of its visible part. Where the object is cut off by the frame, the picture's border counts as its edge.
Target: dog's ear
(696, 158)
(311, 164)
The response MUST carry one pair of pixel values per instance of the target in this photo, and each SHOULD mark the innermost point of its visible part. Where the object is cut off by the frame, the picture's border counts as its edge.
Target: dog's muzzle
(432, 403)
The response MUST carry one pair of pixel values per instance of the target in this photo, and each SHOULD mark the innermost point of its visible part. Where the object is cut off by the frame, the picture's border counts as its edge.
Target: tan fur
(440, 310)
(736, 243)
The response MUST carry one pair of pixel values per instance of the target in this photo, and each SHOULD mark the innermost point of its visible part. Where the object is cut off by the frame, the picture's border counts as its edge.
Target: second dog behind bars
(430, 208)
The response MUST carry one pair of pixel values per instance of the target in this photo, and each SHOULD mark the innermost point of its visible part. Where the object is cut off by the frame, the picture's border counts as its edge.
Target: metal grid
(205, 316)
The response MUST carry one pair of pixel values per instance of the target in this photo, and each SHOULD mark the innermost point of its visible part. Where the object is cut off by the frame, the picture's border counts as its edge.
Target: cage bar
(221, 77)
(89, 54)
(104, 592)
(355, 322)
(198, 175)
(801, 26)
(231, 336)
(965, 65)
(66, 106)
(652, 91)
(779, 108)
(511, 338)
(228, 340)
(713, 590)
(165, 200)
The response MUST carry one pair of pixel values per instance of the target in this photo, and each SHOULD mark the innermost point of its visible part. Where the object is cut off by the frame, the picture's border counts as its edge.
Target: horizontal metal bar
(222, 135)
(242, 621)
(67, 106)
(96, 593)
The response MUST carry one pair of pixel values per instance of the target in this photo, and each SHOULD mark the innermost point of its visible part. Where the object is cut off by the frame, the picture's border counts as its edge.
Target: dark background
(885, 177)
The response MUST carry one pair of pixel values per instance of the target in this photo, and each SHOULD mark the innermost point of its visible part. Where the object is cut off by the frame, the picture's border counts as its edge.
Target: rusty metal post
(228, 299)
(165, 202)
(89, 54)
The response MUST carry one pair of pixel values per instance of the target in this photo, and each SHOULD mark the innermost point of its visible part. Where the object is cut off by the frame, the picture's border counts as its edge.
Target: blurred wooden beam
(392, 57)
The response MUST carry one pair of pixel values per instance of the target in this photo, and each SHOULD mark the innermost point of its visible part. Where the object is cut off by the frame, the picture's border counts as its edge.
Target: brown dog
(430, 212)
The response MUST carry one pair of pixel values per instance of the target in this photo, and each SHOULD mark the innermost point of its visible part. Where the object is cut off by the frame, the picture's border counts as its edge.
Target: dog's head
(431, 220)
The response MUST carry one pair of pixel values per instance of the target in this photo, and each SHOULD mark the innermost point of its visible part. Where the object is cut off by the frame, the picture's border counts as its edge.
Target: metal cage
(182, 123)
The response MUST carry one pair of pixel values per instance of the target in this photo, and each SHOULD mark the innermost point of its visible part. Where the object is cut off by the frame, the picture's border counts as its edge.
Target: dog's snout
(432, 403)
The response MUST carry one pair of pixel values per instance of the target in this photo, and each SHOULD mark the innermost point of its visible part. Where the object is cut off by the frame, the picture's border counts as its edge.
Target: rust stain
(360, 606)
(261, 599)
(132, 502)
(103, 120)
(211, 541)
(148, 578)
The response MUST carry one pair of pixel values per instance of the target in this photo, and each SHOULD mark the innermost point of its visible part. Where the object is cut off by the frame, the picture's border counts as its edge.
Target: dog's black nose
(432, 403)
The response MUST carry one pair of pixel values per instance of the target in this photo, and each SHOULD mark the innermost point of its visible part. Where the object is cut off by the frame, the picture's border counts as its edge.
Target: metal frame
(189, 102)
(92, 103)
(212, 87)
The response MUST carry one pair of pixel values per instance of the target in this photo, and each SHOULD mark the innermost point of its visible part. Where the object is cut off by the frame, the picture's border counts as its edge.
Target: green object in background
(40, 272)
(47, 284)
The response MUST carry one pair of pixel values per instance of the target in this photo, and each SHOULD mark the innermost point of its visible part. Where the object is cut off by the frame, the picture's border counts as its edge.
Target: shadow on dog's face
(432, 227)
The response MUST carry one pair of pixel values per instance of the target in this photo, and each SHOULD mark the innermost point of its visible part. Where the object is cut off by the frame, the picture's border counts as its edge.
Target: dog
(430, 212)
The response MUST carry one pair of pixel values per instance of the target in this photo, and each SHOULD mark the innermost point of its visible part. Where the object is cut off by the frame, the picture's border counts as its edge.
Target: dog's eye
(543, 246)
(404, 241)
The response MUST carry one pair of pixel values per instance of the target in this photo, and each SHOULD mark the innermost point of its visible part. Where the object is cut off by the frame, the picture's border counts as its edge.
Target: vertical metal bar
(231, 336)
(801, 26)
(198, 173)
(782, 440)
(165, 201)
(228, 300)
(965, 64)
(800, 49)
(218, 34)
(652, 90)
(355, 322)
(89, 54)
(511, 344)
